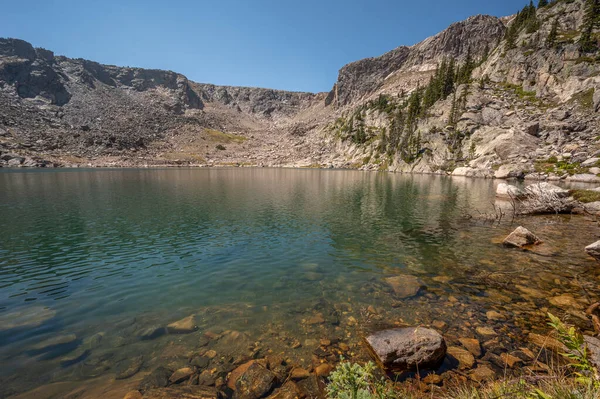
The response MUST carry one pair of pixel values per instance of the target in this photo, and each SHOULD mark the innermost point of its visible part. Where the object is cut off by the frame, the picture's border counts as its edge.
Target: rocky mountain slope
(529, 106)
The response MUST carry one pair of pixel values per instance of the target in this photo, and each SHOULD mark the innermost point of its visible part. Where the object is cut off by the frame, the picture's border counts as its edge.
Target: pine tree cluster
(588, 43)
(526, 18)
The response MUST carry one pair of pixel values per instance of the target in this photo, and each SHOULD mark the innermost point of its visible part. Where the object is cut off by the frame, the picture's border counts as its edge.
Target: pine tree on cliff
(587, 42)
(542, 3)
(551, 40)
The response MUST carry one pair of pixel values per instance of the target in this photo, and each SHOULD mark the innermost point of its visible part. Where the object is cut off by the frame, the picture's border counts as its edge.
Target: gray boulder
(405, 349)
(521, 237)
(508, 191)
(594, 250)
(592, 345)
(543, 189)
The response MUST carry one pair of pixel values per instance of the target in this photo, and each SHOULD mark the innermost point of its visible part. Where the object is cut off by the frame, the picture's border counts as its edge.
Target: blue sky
(289, 45)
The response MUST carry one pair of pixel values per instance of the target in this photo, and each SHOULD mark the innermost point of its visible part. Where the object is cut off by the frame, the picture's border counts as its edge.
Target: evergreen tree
(542, 3)
(551, 40)
(587, 42)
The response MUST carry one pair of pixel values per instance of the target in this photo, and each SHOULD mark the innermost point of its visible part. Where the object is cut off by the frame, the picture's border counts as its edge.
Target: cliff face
(525, 103)
(356, 81)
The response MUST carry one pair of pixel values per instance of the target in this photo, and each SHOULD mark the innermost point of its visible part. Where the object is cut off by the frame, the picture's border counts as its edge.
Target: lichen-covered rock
(410, 348)
(520, 238)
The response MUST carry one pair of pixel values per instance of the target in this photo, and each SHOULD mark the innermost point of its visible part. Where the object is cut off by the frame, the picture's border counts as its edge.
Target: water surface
(281, 256)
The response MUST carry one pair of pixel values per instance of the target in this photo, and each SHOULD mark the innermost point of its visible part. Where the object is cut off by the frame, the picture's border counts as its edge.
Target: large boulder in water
(406, 349)
(508, 191)
(521, 237)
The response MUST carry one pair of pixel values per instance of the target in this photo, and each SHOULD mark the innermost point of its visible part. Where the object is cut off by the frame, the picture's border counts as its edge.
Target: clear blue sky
(281, 44)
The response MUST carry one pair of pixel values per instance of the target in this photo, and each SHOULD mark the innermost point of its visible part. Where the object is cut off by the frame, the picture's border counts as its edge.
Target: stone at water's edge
(594, 250)
(256, 382)
(521, 237)
(406, 349)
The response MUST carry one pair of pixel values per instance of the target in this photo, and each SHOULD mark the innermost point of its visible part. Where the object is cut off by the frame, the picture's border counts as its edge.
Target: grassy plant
(577, 354)
(354, 381)
(585, 196)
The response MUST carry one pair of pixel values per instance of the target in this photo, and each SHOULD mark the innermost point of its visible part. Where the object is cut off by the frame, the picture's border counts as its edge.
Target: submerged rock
(31, 317)
(404, 285)
(159, 378)
(54, 343)
(183, 392)
(256, 382)
(521, 237)
(183, 326)
(594, 250)
(289, 390)
(152, 332)
(472, 345)
(133, 395)
(129, 368)
(181, 375)
(465, 359)
(411, 348)
(75, 357)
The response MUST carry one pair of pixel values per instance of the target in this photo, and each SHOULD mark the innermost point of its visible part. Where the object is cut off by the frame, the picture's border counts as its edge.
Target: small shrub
(354, 381)
(220, 147)
(577, 354)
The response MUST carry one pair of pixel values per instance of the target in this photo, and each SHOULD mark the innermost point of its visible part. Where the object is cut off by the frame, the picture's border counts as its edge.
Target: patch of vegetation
(355, 381)
(585, 98)
(553, 165)
(216, 135)
(585, 196)
(220, 147)
(521, 93)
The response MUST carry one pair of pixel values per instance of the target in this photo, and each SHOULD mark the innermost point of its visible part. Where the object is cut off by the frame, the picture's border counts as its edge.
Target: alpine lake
(296, 263)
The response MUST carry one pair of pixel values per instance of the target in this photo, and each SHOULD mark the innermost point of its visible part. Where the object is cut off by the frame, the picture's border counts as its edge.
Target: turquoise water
(259, 251)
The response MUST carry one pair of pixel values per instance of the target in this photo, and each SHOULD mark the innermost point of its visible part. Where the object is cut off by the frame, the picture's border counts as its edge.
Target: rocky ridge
(529, 111)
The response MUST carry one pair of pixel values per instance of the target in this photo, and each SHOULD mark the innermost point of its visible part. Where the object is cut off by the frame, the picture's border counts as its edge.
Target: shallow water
(284, 257)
